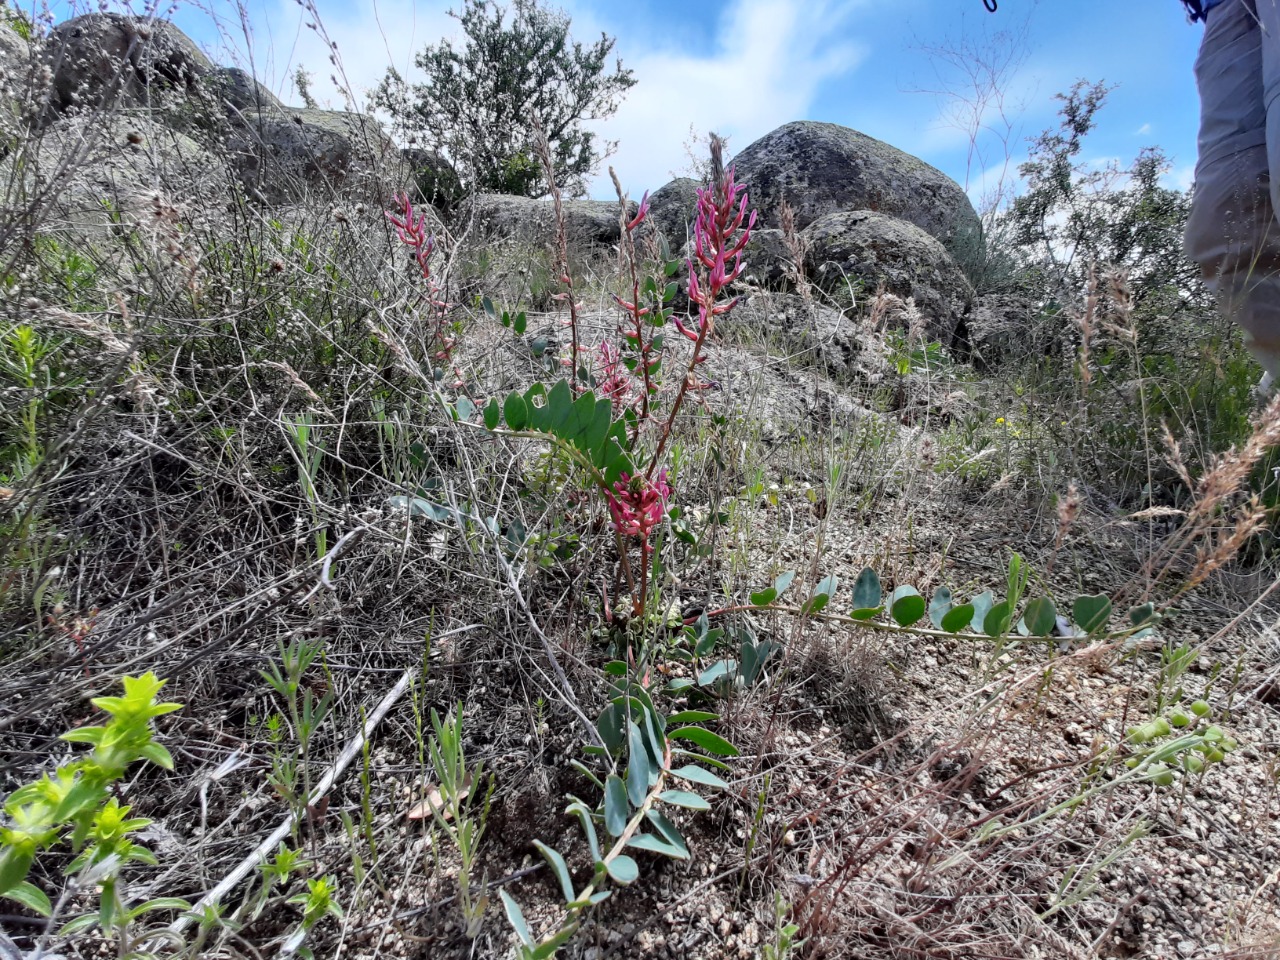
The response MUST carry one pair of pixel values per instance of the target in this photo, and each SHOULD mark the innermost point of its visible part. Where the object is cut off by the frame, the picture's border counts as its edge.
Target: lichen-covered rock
(671, 211)
(769, 260)
(822, 168)
(875, 250)
(588, 223)
(113, 58)
(124, 173)
(16, 92)
(285, 155)
(239, 93)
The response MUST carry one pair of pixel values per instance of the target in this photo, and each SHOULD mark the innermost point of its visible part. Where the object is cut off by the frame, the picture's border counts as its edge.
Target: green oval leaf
(1041, 616)
(616, 808)
(717, 671)
(705, 739)
(982, 605)
(683, 798)
(784, 581)
(764, 597)
(647, 841)
(940, 605)
(997, 622)
(668, 831)
(515, 411)
(695, 774)
(622, 869)
(1091, 612)
(866, 590)
(957, 618)
(692, 716)
(637, 766)
(492, 414)
(908, 610)
(31, 897)
(867, 614)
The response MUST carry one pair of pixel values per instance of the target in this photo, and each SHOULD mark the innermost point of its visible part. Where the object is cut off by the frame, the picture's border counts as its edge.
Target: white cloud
(763, 68)
(1143, 130)
(370, 35)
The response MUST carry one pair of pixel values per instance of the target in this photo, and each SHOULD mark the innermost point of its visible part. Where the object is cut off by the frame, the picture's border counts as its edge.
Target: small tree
(517, 65)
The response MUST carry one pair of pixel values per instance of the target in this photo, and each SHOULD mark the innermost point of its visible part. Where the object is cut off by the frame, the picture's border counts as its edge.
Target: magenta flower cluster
(615, 378)
(638, 504)
(413, 233)
(722, 208)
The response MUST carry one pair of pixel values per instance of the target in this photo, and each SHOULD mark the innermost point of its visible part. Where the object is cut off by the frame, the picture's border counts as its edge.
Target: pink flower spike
(641, 213)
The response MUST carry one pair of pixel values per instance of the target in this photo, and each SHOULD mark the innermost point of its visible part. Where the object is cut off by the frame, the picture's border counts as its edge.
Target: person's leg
(1232, 231)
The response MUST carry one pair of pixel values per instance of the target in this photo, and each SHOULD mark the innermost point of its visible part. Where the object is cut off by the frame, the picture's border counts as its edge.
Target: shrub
(518, 65)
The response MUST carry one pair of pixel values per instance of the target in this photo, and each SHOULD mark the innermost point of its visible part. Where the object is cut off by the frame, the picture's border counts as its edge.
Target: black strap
(1194, 9)
(990, 5)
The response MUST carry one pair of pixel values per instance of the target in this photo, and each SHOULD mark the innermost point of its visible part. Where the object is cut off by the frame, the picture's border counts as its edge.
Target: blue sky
(743, 67)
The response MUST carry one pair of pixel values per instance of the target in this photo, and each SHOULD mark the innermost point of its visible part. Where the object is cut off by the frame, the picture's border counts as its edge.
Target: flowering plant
(412, 229)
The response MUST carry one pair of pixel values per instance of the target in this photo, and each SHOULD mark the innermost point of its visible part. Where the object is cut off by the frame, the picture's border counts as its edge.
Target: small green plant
(306, 712)
(455, 811)
(632, 799)
(308, 450)
(74, 807)
(317, 902)
(1178, 742)
(784, 933)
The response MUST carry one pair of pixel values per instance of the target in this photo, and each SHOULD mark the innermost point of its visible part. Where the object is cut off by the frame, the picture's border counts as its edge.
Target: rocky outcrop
(874, 250)
(588, 223)
(282, 155)
(769, 261)
(124, 172)
(998, 326)
(115, 59)
(821, 168)
(238, 93)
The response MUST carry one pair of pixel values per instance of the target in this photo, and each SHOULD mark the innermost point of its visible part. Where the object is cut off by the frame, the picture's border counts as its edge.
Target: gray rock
(433, 177)
(112, 58)
(588, 223)
(821, 168)
(999, 327)
(768, 260)
(123, 173)
(284, 155)
(16, 93)
(877, 250)
(671, 211)
(239, 93)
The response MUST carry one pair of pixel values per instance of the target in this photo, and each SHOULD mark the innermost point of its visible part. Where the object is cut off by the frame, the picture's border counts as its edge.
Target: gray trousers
(1233, 231)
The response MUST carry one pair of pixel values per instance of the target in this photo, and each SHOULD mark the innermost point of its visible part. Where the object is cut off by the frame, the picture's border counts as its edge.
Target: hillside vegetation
(391, 569)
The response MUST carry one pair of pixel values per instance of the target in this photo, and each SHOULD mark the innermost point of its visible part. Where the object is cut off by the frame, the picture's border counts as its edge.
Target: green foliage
(517, 64)
(585, 426)
(74, 806)
(638, 782)
(306, 713)
(458, 814)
